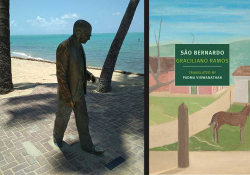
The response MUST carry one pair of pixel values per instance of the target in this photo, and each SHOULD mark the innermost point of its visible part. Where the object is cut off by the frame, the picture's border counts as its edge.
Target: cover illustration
(199, 87)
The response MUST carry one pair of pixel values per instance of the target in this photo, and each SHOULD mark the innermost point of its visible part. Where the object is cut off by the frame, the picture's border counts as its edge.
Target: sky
(58, 16)
(209, 21)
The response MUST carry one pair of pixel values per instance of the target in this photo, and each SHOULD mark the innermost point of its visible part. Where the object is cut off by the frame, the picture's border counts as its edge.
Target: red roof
(167, 64)
(242, 71)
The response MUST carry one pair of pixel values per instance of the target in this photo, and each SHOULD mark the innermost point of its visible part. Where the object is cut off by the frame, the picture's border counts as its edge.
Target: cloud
(209, 23)
(204, 11)
(117, 13)
(185, 28)
(13, 23)
(69, 15)
(50, 24)
(214, 20)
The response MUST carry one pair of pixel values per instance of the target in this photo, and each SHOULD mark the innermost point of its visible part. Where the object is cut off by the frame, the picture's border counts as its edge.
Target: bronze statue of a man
(72, 77)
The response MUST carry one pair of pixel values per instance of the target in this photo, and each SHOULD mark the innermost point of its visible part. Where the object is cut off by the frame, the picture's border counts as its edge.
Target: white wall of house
(241, 88)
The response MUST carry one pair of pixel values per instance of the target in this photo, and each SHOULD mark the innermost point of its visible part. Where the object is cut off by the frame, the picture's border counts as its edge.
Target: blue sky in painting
(58, 16)
(209, 21)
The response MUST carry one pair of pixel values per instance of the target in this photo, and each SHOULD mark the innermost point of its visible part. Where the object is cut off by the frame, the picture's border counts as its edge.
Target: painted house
(167, 74)
(242, 84)
(167, 66)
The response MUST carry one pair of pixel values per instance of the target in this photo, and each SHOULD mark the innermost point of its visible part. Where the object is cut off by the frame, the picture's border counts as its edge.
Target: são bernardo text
(208, 53)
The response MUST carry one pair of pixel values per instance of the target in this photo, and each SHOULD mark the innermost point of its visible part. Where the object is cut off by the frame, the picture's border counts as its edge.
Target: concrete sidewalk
(202, 162)
(116, 125)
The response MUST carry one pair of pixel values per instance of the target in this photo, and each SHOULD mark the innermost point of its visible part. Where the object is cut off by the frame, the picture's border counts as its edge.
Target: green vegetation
(165, 109)
(229, 138)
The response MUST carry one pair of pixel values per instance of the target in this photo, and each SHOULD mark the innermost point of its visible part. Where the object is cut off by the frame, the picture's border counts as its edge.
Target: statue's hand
(71, 103)
(93, 78)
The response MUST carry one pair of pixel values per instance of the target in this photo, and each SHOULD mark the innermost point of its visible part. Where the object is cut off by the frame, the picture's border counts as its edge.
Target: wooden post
(230, 99)
(183, 136)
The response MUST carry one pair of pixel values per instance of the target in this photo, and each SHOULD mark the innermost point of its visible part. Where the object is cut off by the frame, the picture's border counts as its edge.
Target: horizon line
(71, 33)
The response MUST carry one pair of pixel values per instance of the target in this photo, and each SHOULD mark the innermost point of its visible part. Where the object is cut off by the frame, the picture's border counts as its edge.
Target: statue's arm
(62, 64)
(89, 76)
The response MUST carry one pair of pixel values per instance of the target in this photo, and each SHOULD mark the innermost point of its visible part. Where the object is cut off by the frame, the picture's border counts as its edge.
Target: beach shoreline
(28, 73)
(43, 47)
(88, 67)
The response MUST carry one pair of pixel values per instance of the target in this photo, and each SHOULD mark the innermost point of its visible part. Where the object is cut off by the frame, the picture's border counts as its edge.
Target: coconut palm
(109, 64)
(6, 84)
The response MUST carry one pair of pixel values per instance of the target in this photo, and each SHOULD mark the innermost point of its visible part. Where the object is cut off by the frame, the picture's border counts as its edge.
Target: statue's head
(82, 30)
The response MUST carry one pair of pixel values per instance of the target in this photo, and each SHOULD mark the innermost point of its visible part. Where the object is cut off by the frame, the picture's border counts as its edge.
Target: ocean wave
(24, 55)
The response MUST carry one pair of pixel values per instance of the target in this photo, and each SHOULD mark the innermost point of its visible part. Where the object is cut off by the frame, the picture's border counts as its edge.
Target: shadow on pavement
(116, 124)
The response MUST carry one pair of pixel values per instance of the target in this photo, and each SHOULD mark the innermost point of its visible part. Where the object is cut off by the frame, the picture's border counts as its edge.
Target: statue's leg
(62, 118)
(82, 124)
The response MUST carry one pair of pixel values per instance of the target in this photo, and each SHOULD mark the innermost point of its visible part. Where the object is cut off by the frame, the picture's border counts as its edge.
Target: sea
(43, 47)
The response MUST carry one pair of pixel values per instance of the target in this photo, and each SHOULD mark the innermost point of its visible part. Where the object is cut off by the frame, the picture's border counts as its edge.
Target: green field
(165, 109)
(229, 138)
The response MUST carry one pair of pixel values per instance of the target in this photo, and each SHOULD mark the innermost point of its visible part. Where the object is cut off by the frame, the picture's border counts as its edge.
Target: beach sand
(27, 74)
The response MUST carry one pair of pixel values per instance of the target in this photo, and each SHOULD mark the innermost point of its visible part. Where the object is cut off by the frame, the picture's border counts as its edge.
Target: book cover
(199, 87)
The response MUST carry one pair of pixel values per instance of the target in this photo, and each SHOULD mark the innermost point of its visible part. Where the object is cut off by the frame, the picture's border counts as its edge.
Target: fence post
(230, 98)
(183, 136)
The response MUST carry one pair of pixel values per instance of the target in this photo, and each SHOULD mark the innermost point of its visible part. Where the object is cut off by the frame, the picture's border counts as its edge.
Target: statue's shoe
(95, 151)
(57, 143)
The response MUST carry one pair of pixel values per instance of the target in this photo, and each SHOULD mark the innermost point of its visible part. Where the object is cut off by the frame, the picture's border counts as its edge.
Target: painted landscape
(182, 22)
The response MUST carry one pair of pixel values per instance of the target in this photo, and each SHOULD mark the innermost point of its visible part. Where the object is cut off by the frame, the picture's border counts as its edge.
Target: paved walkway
(209, 162)
(116, 125)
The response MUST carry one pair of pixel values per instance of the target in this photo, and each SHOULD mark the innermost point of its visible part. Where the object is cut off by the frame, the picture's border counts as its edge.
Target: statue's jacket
(71, 71)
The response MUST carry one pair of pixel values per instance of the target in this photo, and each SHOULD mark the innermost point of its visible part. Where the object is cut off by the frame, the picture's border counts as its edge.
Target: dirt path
(166, 115)
(153, 122)
(167, 133)
(199, 105)
(209, 162)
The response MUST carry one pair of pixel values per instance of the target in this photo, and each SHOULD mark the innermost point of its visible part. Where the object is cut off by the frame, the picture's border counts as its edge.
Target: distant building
(242, 84)
(167, 74)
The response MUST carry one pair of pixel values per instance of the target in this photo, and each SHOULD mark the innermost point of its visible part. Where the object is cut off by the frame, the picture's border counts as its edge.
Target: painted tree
(6, 84)
(158, 83)
(109, 64)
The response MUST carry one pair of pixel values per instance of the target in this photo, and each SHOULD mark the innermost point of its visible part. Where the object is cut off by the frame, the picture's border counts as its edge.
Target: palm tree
(6, 84)
(109, 64)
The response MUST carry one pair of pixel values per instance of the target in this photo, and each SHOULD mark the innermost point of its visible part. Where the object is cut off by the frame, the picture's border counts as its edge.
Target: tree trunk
(109, 64)
(6, 84)
(159, 85)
